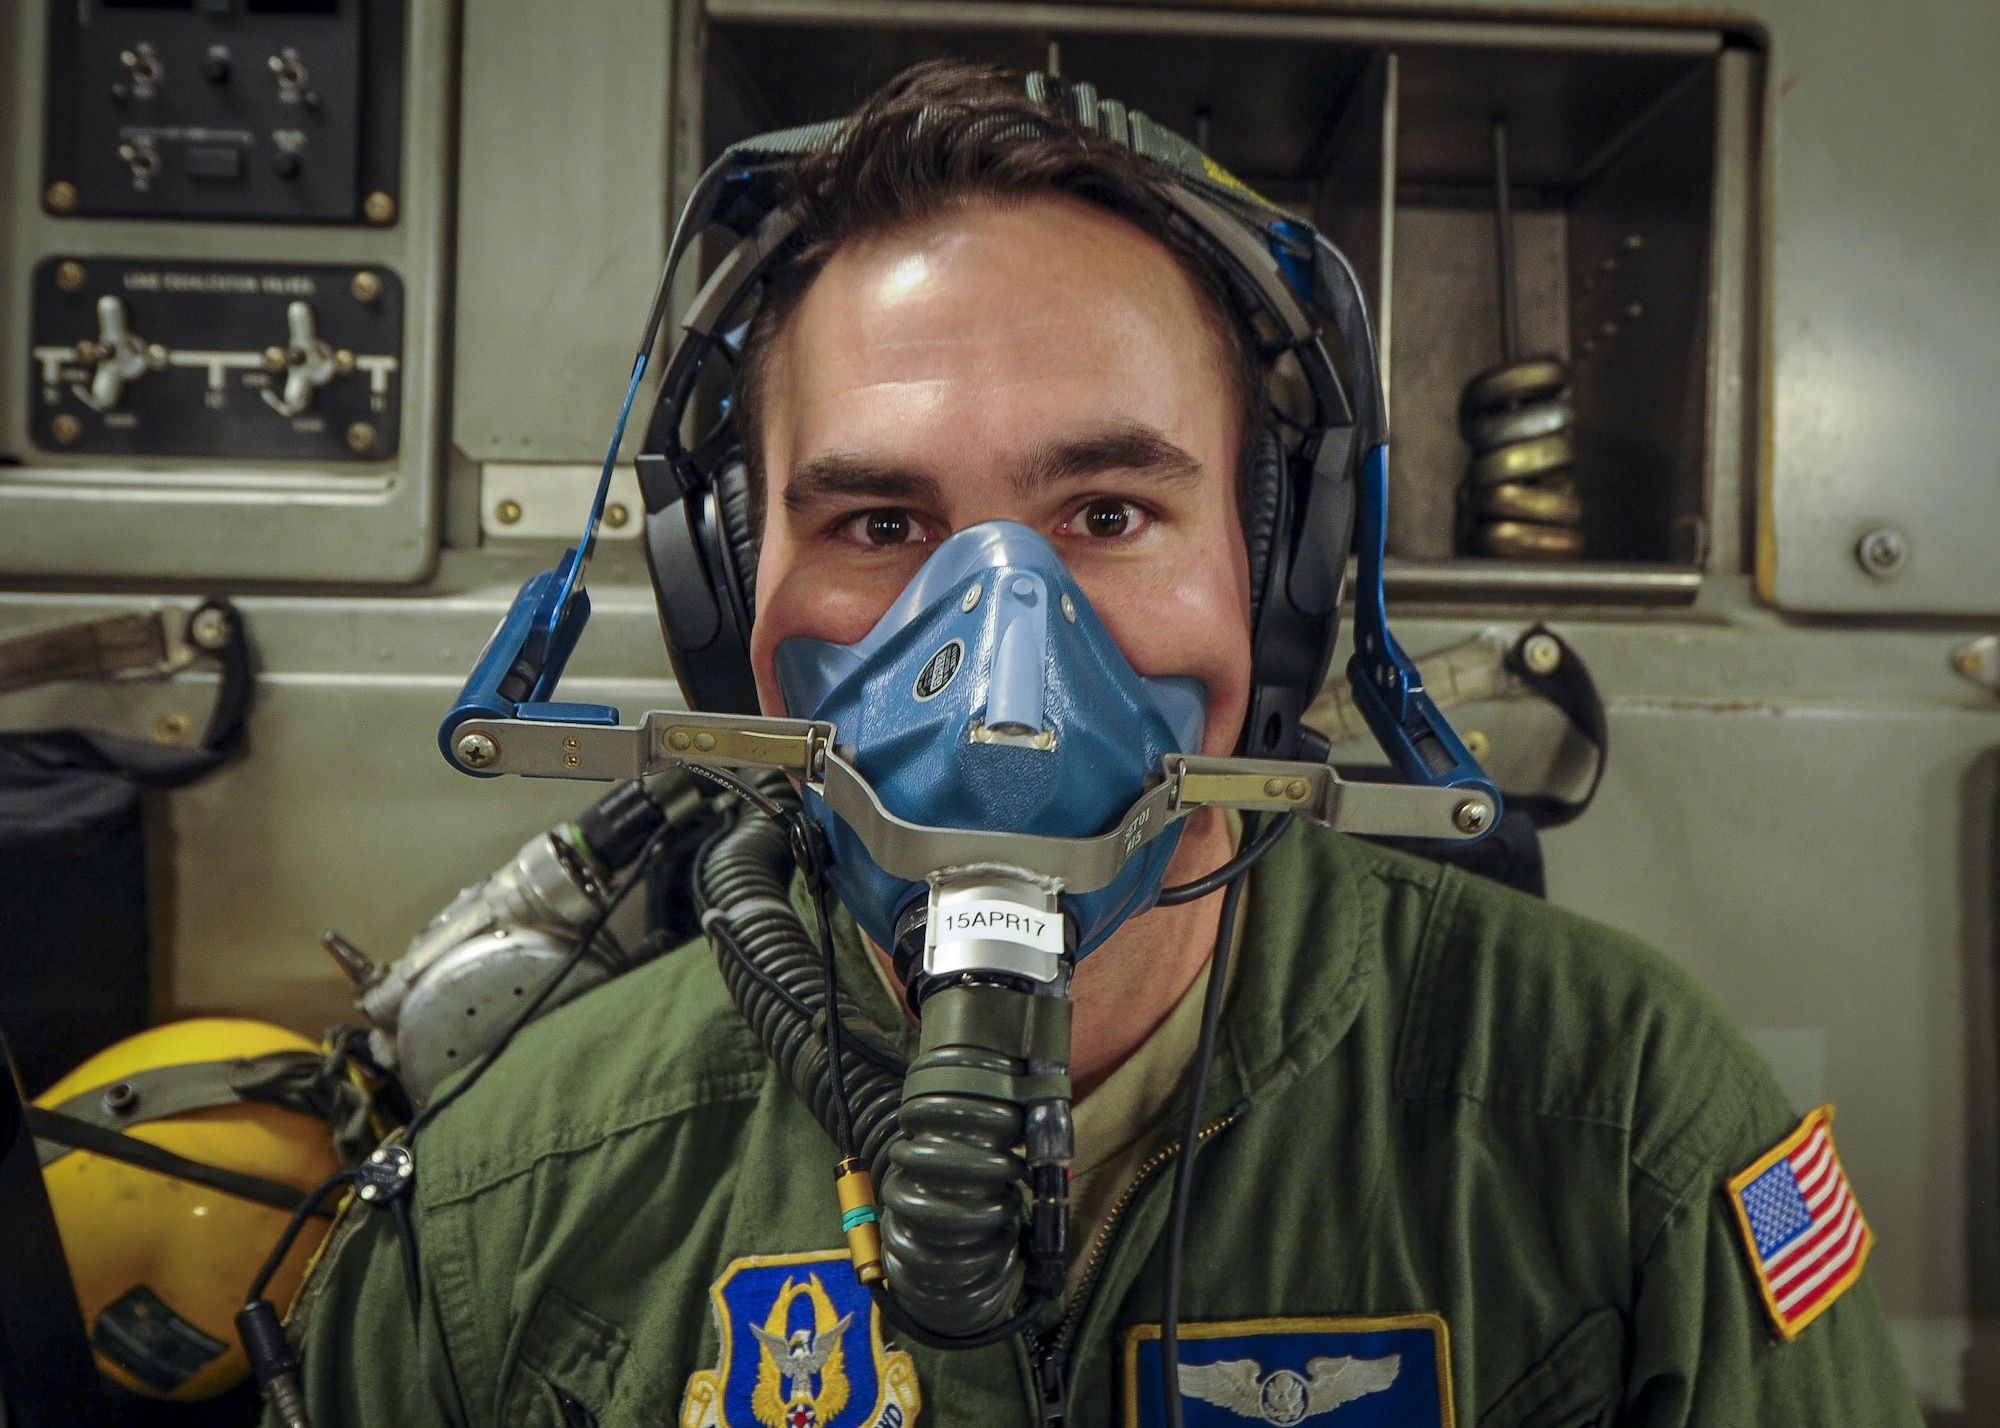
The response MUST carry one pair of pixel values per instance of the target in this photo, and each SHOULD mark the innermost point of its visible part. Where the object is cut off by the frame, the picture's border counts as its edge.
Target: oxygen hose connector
(987, 958)
(860, 1221)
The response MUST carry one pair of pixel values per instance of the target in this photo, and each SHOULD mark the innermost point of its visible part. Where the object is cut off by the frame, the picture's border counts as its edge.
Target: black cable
(308, 1207)
(1254, 847)
(719, 931)
(1204, 1059)
(807, 850)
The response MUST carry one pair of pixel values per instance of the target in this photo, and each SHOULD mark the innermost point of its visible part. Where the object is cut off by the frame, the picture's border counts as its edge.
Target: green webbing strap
(995, 1019)
(987, 1085)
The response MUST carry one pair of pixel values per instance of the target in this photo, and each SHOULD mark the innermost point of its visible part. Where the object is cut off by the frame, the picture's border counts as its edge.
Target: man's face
(1045, 363)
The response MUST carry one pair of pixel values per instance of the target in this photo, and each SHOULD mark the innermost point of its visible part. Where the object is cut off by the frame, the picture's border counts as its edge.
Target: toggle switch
(309, 363)
(121, 356)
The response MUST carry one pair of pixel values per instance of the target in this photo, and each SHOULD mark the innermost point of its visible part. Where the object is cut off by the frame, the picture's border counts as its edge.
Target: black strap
(114, 1145)
(143, 763)
(1570, 688)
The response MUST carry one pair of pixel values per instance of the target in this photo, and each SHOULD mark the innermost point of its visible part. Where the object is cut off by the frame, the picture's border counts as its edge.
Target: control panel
(274, 110)
(264, 360)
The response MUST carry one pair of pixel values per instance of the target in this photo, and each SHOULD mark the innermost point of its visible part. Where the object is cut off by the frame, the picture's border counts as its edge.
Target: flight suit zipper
(1051, 1355)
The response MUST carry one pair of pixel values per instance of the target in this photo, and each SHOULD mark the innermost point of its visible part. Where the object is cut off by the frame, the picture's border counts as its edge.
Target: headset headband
(1276, 267)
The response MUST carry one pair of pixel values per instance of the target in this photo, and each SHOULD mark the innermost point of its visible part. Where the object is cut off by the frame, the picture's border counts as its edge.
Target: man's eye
(884, 528)
(1105, 519)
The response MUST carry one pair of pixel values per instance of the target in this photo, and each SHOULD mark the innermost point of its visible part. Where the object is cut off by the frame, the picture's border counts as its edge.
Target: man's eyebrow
(843, 475)
(1132, 447)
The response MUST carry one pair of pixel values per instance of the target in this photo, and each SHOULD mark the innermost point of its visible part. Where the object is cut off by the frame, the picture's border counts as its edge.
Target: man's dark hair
(947, 133)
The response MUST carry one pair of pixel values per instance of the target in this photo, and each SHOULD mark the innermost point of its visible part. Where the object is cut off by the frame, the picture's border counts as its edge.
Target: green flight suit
(1430, 1094)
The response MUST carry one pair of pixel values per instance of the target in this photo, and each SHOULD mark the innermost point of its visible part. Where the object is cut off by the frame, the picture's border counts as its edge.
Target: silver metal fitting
(477, 751)
(1883, 552)
(1472, 816)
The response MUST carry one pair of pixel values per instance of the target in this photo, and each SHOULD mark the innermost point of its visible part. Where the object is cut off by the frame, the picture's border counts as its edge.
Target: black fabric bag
(73, 876)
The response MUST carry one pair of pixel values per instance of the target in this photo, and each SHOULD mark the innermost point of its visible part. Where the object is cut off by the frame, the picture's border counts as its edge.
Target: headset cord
(1204, 1059)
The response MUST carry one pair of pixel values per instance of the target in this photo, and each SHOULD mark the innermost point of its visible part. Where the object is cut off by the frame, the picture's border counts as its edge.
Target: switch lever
(309, 363)
(121, 356)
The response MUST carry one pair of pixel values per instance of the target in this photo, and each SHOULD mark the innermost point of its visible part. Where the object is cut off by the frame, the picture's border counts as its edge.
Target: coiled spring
(1520, 498)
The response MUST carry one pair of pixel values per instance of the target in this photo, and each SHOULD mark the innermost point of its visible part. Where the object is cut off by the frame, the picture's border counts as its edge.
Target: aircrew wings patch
(1801, 1226)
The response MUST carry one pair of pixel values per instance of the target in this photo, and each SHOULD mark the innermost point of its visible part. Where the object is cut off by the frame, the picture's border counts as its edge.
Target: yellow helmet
(160, 1263)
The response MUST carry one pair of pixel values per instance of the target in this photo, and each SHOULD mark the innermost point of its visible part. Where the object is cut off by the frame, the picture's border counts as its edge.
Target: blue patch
(1389, 1372)
(801, 1348)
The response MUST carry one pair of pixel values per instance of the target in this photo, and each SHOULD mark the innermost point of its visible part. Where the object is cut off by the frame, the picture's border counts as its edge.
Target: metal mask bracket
(807, 750)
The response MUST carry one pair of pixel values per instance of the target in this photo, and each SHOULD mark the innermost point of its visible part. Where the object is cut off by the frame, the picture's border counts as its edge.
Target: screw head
(60, 197)
(477, 750)
(616, 515)
(1472, 816)
(70, 276)
(1541, 654)
(1883, 552)
(366, 286)
(361, 437)
(209, 628)
(379, 208)
(66, 429)
(507, 512)
(172, 730)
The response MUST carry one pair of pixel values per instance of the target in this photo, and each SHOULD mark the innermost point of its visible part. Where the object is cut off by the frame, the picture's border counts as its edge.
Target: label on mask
(998, 920)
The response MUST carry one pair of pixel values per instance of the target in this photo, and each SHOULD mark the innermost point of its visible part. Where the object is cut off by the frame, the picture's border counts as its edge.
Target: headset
(1317, 484)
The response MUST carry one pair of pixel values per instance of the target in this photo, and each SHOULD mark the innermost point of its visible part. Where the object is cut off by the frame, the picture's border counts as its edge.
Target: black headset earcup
(739, 528)
(1263, 502)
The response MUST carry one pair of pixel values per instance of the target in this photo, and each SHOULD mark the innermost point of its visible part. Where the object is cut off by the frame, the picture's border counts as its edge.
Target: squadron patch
(801, 1348)
(1339, 1372)
(1801, 1226)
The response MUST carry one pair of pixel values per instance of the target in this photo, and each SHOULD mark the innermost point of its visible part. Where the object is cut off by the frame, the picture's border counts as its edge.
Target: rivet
(616, 514)
(1274, 788)
(70, 276)
(366, 287)
(66, 429)
(274, 358)
(1068, 608)
(1477, 745)
(971, 599)
(172, 730)
(368, 1192)
(507, 512)
(60, 196)
(1635, 241)
(361, 437)
(1297, 789)
(704, 741)
(679, 740)
(378, 1157)
(1541, 654)
(379, 208)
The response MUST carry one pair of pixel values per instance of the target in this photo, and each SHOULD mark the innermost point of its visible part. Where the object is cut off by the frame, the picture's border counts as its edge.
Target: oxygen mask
(991, 698)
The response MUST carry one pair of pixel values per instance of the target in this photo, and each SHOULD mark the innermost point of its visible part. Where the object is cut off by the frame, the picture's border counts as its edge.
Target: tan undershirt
(1123, 1121)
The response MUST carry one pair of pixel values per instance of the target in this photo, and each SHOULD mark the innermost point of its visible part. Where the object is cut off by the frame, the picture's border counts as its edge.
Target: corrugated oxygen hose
(950, 1177)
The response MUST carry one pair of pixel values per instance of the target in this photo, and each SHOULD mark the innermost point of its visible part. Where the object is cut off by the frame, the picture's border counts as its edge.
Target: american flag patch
(1805, 1234)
